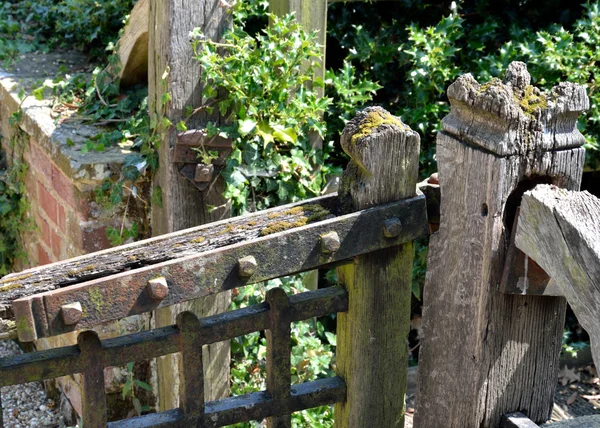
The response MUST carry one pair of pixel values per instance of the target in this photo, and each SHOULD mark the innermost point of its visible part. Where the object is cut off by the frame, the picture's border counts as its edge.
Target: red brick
(38, 161)
(48, 203)
(43, 258)
(43, 225)
(62, 221)
(56, 245)
(63, 187)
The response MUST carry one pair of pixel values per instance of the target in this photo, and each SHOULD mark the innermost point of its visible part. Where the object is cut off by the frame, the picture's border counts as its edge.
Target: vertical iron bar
(191, 371)
(93, 394)
(278, 353)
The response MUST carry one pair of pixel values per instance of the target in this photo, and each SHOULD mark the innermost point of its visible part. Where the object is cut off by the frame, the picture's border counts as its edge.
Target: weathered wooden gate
(367, 231)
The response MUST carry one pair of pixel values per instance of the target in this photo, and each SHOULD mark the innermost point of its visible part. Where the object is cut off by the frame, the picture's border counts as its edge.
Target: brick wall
(60, 184)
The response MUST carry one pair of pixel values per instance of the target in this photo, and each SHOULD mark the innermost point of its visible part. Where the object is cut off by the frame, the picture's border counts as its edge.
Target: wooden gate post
(372, 352)
(484, 353)
(172, 70)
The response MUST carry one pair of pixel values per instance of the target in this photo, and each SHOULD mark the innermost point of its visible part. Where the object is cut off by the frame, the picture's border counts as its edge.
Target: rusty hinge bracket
(188, 146)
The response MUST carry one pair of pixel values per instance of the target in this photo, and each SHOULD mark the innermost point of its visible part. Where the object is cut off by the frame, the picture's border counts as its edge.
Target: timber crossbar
(92, 355)
(201, 261)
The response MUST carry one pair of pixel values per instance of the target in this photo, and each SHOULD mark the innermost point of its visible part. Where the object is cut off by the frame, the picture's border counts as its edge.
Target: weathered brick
(64, 187)
(38, 161)
(56, 245)
(45, 229)
(62, 220)
(48, 203)
(43, 257)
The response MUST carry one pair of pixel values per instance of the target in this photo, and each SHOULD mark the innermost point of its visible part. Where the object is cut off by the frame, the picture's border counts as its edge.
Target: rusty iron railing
(92, 355)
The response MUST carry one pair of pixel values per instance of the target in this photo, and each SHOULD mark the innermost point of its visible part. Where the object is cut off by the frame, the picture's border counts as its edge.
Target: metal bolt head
(247, 266)
(392, 227)
(158, 288)
(71, 313)
(330, 242)
(203, 173)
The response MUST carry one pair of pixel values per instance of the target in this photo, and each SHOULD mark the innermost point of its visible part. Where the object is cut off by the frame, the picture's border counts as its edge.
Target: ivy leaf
(246, 126)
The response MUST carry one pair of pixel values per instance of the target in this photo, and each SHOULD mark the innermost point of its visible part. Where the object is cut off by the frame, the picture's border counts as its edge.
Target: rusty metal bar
(278, 353)
(93, 393)
(145, 345)
(191, 370)
(244, 408)
(287, 252)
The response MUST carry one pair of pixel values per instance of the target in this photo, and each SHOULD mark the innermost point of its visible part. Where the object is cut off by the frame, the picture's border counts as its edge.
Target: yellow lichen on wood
(532, 100)
(311, 214)
(15, 278)
(75, 272)
(198, 240)
(374, 120)
(11, 286)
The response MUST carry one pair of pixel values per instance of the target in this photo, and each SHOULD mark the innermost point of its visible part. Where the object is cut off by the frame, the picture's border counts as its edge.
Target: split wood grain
(560, 230)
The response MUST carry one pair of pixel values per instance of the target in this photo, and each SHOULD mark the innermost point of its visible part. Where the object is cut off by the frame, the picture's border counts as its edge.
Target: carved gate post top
(510, 116)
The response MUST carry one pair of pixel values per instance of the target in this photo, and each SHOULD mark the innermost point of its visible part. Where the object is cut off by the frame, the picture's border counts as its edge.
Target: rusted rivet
(392, 227)
(71, 313)
(247, 266)
(158, 288)
(204, 173)
(330, 242)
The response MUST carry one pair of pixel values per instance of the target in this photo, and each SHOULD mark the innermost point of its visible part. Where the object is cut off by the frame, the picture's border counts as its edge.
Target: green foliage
(13, 203)
(261, 86)
(129, 388)
(313, 353)
(40, 25)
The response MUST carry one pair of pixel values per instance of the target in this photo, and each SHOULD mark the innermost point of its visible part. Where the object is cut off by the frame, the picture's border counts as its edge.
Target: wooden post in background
(372, 352)
(173, 70)
(484, 353)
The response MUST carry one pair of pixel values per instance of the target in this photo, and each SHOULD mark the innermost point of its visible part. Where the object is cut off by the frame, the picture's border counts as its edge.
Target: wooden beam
(372, 353)
(560, 230)
(484, 353)
(173, 70)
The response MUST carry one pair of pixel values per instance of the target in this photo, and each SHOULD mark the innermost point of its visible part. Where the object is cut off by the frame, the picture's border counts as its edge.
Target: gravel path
(25, 405)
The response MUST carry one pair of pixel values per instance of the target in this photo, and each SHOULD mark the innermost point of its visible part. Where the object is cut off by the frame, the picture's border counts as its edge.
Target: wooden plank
(485, 354)
(560, 230)
(372, 352)
(206, 273)
(173, 70)
(175, 245)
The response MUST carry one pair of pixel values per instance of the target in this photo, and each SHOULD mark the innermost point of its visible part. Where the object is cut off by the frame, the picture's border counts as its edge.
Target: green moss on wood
(97, 299)
(374, 120)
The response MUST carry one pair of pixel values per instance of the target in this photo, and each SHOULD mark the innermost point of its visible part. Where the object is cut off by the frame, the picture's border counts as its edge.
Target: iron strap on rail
(200, 274)
(92, 355)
